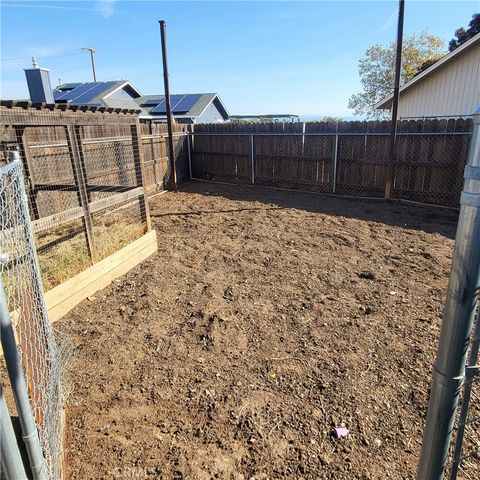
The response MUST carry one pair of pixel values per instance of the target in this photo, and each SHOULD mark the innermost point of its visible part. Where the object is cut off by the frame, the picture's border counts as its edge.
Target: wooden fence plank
(62, 298)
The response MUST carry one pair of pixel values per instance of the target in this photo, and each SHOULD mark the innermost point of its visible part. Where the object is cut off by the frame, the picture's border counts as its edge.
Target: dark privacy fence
(345, 158)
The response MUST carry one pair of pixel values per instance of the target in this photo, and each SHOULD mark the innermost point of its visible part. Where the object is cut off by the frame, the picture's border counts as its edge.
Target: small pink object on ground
(341, 432)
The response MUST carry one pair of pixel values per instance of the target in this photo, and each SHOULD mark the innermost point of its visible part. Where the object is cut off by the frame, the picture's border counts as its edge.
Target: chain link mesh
(37, 348)
(156, 156)
(465, 457)
(297, 162)
(222, 158)
(428, 166)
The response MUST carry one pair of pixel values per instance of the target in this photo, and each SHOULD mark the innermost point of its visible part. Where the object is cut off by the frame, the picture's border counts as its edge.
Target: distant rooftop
(185, 107)
(86, 93)
(269, 116)
(182, 105)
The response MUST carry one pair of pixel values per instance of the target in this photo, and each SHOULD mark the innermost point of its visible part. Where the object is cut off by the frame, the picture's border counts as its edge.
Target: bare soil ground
(266, 320)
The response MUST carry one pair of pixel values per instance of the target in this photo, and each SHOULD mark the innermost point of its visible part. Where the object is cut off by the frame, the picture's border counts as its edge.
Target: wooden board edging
(64, 297)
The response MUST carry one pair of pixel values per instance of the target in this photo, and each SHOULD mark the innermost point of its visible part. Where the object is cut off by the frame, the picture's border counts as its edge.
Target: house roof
(99, 94)
(189, 105)
(85, 93)
(385, 102)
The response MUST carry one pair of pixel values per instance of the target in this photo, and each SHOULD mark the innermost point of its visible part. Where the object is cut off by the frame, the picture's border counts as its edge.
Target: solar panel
(70, 86)
(76, 91)
(90, 94)
(186, 103)
(161, 108)
(56, 95)
(153, 101)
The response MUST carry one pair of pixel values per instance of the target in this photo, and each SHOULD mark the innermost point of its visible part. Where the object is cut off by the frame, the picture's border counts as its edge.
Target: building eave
(385, 102)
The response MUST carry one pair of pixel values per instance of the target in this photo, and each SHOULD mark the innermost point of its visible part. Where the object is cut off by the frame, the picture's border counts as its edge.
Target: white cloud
(389, 22)
(106, 8)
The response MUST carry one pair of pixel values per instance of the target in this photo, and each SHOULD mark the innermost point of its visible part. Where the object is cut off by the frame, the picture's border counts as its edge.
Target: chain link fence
(156, 155)
(222, 158)
(428, 167)
(39, 355)
(465, 458)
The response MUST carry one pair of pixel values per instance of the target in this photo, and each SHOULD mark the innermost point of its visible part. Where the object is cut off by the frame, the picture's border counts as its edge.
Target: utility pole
(168, 109)
(396, 94)
(92, 52)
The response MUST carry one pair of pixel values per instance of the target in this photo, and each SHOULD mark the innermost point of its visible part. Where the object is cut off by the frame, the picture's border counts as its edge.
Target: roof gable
(190, 105)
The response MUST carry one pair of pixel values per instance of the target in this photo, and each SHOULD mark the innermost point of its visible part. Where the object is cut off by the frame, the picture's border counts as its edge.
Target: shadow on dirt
(428, 219)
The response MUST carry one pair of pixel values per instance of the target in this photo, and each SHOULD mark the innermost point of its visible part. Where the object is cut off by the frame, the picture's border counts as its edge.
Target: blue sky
(261, 57)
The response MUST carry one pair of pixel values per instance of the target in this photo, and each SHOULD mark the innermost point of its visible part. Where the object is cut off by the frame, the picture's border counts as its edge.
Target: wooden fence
(88, 175)
(104, 136)
(348, 158)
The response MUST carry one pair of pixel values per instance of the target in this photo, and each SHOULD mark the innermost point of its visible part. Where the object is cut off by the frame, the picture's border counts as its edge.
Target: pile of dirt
(266, 320)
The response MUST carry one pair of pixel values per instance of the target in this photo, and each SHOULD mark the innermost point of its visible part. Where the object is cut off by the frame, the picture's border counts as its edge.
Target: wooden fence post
(140, 174)
(80, 181)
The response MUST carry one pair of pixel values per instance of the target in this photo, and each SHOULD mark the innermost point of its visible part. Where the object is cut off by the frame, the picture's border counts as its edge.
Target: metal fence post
(252, 157)
(189, 152)
(335, 159)
(459, 313)
(19, 387)
(10, 458)
(303, 139)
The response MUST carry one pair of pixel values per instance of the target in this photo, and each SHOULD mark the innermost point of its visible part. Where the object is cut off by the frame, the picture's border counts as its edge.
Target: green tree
(464, 35)
(376, 69)
(331, 119)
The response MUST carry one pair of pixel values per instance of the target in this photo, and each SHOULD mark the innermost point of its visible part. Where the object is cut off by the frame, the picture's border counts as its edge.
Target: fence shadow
(422, 218)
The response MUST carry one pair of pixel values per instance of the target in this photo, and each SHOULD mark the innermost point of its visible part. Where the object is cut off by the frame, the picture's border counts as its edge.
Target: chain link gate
(455, 368)
(466, 454)
(38, 353)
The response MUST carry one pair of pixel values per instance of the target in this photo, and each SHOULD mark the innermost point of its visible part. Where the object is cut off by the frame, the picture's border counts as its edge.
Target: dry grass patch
(63, 251)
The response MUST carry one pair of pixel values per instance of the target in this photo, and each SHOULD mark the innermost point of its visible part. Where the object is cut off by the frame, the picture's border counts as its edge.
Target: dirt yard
(266, 320)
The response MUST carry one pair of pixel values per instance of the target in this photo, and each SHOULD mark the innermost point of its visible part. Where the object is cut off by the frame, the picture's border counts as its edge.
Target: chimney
(38, 81)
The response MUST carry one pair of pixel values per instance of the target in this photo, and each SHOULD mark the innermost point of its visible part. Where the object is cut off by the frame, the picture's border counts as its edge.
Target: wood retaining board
(64, 297)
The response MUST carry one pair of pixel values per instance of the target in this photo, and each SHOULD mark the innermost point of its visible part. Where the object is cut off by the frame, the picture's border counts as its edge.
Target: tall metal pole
(92, 59)
(396, 93)
(168, 109)
(10, 458)
(458, 316)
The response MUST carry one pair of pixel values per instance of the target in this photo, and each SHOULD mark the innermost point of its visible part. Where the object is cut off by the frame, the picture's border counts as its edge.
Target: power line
(65, 53)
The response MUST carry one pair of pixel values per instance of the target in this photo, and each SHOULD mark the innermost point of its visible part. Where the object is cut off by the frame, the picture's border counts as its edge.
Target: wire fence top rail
(324, 134)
